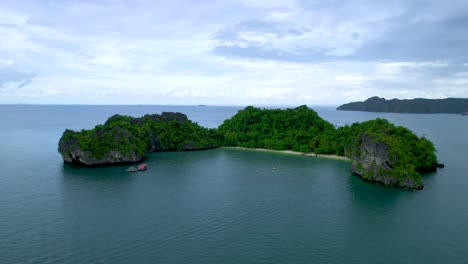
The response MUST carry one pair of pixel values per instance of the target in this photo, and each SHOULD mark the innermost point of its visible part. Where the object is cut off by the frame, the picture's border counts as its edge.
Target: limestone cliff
(124, 139)
(74, 150)
(380, 151)
(373, 160)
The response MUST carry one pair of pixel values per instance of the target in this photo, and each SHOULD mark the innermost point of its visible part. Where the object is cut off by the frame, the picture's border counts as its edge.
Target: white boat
(132, 169)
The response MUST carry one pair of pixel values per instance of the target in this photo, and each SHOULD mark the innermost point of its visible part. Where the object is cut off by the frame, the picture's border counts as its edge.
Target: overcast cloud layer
(276, 52)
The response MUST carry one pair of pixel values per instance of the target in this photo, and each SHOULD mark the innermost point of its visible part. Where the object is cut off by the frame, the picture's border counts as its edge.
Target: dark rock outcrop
(418, 105)
(380, 151)
(77, 156)
(69, 148)
(124, 139)
(371, 160)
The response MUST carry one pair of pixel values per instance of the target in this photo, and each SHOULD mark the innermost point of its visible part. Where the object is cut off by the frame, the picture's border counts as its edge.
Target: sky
(231, 52)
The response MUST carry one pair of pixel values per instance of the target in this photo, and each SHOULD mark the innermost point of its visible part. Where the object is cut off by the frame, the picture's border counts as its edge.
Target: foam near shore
(309, 154)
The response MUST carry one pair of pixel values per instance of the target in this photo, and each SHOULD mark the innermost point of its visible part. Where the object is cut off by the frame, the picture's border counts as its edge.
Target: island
(379, 151)
(125, 139)
(418, 105)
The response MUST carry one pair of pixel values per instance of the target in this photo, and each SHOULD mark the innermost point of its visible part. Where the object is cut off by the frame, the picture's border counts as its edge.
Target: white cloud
(245, 82)
(300, 31)
(6, 62)
(356, 79)
(260, 39)
(153, 58)
(268, 4)
(390, 69)
(12, 18)
(16, 41)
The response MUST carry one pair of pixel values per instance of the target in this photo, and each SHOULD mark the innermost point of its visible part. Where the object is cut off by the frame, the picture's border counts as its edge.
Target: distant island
(380, 151)
(418, 105)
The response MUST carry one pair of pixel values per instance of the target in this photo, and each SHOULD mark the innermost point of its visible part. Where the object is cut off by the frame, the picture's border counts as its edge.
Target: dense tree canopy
(298, 129)
(301, 129)
(169, 131)
(403, 143)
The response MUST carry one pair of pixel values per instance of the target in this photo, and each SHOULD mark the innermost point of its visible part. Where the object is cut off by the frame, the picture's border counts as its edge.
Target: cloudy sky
(231, 52)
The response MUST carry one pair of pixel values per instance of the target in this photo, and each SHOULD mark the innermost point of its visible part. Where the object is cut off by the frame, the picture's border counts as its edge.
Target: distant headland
(418, 105)
(379, 151)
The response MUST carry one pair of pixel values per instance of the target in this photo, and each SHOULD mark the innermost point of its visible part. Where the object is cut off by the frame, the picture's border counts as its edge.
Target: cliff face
(124, 139)
(371, 160)
(73, 150)
(418, 105)
(380, 151)
(73, 154)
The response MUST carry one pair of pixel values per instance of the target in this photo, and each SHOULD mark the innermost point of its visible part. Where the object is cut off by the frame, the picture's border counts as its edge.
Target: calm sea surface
(223, 205)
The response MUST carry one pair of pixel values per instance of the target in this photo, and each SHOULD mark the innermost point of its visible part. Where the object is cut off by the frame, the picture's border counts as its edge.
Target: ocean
(222, 205)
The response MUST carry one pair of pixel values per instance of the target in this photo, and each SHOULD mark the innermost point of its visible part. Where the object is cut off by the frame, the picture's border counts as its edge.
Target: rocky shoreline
(126, 140)
(379, 151)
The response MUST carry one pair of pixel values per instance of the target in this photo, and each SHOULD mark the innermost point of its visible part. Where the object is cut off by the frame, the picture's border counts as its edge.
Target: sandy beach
(309, 154)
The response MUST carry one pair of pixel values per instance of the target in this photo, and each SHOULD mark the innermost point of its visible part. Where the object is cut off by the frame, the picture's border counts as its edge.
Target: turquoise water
(224, 205)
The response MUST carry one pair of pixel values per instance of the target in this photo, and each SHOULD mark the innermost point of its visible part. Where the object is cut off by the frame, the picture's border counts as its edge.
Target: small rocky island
(418, 105)
(377, 160)
(125, 139)
(380, 151)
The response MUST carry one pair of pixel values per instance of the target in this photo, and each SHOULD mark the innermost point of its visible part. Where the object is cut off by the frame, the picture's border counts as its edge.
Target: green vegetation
(299, 129)
(418, 105)
(410, 150)
(128, 135)
(101, 140)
